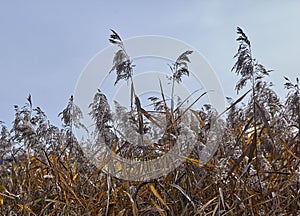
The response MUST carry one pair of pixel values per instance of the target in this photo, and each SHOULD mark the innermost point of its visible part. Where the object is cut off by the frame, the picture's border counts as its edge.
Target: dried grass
(255, 171)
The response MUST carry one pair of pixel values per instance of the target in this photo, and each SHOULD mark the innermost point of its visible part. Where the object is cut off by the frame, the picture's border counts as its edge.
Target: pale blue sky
(44, 46)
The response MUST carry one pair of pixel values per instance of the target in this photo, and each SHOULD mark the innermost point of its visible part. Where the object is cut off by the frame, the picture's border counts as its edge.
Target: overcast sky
(45, 45)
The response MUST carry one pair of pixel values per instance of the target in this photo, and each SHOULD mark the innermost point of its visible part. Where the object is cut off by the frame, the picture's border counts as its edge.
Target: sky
(45, 45)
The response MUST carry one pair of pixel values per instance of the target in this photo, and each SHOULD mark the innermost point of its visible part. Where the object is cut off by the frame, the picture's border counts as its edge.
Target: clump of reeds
(255, 171)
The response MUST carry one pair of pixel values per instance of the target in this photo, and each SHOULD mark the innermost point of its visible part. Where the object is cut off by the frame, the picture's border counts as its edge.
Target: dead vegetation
(255, 170)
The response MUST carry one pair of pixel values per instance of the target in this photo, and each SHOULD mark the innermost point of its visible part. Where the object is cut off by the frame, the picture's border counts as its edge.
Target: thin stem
(173, 84)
